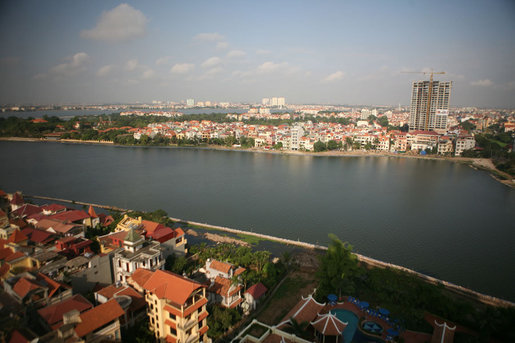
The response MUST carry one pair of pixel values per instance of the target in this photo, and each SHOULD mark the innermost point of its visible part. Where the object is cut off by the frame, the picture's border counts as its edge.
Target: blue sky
(334, 52)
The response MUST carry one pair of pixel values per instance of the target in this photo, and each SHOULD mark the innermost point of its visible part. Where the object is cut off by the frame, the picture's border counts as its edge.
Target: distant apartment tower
(190, 102)
(265, 101)
(274, 102)
(438, 102)
(365, 113)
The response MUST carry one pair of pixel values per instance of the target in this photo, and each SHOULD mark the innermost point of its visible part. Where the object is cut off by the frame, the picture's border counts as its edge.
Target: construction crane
(430, 91)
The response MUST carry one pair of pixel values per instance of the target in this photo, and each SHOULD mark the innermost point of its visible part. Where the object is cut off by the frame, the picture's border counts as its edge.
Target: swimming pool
(372, 327)
(352, 323)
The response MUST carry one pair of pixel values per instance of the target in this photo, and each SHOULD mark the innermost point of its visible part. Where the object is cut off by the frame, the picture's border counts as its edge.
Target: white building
(136, 253)
(464, 143)
(190, 102)
(296, 134)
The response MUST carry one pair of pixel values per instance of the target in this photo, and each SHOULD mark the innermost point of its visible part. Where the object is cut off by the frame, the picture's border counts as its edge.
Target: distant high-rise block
(438, 101)
(190, 102)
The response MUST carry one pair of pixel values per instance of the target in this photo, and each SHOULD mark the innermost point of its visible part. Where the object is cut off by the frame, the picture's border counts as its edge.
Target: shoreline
(483, 164)
(369, 261)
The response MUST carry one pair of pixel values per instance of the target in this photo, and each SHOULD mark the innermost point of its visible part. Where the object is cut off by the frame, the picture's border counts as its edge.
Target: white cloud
(148, 74)
(211, 62)
(122, 23)
(263, 52)
(77, 63)
(163, 60)
(222, 45)
(338, 75)
(236, 54)
(105, 70)
(209, 37)
(182, 68)
(214, 71)
(482, 83)
(271, 67)
(131, 65)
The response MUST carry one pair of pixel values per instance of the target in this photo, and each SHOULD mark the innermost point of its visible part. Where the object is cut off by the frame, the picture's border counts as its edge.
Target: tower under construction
(430, 105)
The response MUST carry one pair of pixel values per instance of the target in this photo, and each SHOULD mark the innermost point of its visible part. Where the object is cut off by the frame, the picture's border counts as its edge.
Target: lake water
(437, 217)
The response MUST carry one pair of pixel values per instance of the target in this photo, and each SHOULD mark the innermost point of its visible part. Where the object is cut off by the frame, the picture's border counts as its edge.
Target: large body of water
(437, 217)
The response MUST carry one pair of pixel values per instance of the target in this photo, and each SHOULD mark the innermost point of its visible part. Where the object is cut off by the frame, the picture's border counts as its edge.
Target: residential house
(253, 295)
(38, 289)
(101, 323)
(216, 268)
(132, 302)
(176, 307)
(136, 253)
(51, 317)
(225, 292)
(464, 143)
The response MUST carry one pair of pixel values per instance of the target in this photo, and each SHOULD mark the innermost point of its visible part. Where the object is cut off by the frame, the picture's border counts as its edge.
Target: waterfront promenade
(468, 293)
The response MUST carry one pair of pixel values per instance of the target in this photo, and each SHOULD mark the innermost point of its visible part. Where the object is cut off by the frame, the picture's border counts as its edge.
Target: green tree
(319, 146)
(278, 146)
(337, 269)
(332, 145)
(383, 121)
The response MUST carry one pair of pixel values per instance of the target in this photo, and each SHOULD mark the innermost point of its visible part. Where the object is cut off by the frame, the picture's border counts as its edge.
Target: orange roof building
(176, 307)
(101, 321)
(224, 292)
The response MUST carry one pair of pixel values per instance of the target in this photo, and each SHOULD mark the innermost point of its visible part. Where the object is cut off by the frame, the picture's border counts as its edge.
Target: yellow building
(176, 306)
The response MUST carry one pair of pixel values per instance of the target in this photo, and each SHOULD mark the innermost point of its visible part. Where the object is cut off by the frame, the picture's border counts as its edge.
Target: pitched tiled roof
(17, 236)
(53, 314)
(4, 269)
(53, 286)
(305, 311)
(92, 212)
(329, 325)
(23, 286)
(257, 290)
(170, 286)
(53, 207)
(14, 256)
(17, 199)
(56, 225)
(150, 226)
(140, 276)
(26, 210)
(220, 266)
(239, 270)
(70, 216)
(98, 317)
(112, 291)
(222, 286)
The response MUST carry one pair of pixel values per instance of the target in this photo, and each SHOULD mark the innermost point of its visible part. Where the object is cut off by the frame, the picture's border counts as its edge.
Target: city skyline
(325, 53)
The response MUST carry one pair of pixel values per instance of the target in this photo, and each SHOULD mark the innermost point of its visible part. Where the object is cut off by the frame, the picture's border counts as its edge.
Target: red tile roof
(222, 286)
(98, 317)
(92, 212)
(53, 208)
(26, 210)
(17, 199)
(140, 276)
(150, 226)
(257, 290)
(170, 286)
(53, 286)
(23, 286)
(14, 256)
(305, 311)
(220, 266)
(70, 216)
(111, 291)
(53, 314)
(17, 236)
(5, 253)
(4, 269)
(56, 225)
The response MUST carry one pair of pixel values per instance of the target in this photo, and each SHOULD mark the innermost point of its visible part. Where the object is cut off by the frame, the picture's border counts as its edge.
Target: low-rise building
(136, 253)
(464, 143)
(176, 307)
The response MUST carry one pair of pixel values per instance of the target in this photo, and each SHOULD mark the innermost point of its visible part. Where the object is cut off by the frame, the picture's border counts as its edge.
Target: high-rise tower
(430, 105)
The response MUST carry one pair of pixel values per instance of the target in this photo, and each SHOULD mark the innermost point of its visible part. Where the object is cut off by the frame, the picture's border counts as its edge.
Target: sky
(310, 52)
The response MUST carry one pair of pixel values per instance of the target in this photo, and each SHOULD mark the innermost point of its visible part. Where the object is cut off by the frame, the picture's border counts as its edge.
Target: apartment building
(176, 306)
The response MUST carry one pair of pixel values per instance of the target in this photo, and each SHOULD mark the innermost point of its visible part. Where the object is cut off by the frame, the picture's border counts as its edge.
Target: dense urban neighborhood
(80, 274)
(466, 132)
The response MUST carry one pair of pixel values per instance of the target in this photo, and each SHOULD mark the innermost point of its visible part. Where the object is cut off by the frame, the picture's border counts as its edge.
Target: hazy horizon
(328, 52)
